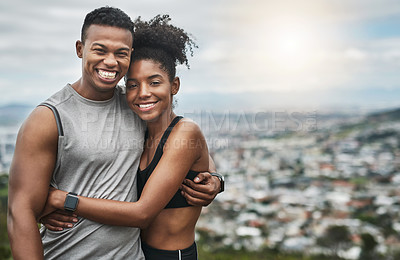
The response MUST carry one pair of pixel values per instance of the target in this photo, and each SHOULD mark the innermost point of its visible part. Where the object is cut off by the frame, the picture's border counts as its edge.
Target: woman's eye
(155, 83)
(131, 86)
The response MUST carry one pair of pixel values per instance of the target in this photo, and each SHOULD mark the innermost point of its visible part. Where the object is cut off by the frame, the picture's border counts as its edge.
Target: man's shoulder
(40, 126)
(60, 96)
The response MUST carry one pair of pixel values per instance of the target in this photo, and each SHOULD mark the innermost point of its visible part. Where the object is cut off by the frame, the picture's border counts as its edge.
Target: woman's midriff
(172, 229)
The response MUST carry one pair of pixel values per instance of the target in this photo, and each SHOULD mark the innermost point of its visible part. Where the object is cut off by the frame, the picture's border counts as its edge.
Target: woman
(175, 149)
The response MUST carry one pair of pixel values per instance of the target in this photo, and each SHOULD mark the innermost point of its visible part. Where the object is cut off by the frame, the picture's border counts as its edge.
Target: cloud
(356, 54)
(245, 46)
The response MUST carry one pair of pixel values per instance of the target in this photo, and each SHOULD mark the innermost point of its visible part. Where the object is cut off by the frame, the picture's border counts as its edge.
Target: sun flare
(293, 48)
(292, 44)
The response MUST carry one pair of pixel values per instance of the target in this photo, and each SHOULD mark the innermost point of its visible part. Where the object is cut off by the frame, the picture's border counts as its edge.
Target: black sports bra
(177, 201)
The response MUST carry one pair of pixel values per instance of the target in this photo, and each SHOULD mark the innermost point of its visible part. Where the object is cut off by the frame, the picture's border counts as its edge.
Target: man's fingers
(198, 202)
(194, 193)
(195, 201)
(203, 188)
(194, 197)
(201, 177)
(201, 191)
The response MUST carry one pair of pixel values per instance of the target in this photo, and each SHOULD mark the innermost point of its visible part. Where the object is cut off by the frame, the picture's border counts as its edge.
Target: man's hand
(58, 220)
(202, 191)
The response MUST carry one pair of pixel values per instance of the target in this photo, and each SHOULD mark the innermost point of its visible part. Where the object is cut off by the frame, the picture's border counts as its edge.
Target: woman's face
(149, 90)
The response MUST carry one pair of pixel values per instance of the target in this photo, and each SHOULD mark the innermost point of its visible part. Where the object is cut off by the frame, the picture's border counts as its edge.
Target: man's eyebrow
(99, 44)
(105, 47)
(123, 49)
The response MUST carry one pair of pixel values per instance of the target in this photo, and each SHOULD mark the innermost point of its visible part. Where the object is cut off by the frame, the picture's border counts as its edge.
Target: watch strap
(221, 180)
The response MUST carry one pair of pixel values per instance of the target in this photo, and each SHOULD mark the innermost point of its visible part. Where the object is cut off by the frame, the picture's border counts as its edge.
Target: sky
(253, 55)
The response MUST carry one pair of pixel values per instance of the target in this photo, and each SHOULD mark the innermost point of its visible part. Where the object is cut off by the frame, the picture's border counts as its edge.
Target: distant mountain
(14, 114)
(390, 115)
(345, 101)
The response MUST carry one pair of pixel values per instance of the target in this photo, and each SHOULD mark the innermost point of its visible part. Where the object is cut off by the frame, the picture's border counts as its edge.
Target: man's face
(105, 57)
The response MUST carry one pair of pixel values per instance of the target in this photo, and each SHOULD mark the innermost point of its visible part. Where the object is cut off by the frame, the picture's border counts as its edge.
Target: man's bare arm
(30, 173)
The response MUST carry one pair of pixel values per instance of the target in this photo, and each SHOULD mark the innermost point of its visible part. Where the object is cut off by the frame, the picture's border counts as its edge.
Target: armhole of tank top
(169, 130)
(57, 117)
(159, 150)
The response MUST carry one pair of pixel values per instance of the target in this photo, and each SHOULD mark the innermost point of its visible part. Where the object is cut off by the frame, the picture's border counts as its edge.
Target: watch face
(71, 202)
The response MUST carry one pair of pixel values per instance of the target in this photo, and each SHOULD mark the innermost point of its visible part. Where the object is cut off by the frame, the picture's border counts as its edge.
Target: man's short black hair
(106, 15)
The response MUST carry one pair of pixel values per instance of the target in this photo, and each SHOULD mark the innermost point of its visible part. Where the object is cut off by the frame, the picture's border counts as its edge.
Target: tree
(5, 251)
(335, 238)
(368, 247)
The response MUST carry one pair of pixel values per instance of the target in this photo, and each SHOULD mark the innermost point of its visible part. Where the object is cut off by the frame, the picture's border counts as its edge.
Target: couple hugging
(139, 198)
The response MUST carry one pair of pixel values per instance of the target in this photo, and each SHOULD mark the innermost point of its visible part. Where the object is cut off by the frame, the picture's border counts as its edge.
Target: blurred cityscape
(306, 182)
(292, 177)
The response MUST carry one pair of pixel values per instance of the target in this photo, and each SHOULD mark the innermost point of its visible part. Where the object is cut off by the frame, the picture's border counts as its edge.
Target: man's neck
(91, 92)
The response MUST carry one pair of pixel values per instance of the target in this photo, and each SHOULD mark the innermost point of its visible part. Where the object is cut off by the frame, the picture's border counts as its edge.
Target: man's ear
(79, 48)
(176, 83)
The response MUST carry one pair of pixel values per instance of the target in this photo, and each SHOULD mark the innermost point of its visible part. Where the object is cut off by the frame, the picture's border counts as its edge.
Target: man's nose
(110, 60)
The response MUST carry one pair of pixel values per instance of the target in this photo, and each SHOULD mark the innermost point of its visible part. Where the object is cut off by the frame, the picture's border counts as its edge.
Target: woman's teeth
(146, 105)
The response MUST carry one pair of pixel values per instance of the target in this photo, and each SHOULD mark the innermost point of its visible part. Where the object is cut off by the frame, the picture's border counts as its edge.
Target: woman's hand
(52, 216)
(58, 220)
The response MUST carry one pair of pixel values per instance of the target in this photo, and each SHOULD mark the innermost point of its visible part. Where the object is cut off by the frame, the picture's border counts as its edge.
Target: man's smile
(107, 75)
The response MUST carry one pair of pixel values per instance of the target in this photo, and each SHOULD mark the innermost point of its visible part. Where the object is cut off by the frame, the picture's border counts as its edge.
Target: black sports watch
(71, 202)
(221, 180)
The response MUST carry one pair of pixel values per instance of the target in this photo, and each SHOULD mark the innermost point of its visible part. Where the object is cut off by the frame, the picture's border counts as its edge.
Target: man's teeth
(146, 105)
(107, 74)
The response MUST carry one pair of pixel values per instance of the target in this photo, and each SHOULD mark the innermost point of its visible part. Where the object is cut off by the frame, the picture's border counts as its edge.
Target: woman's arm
(184, 148)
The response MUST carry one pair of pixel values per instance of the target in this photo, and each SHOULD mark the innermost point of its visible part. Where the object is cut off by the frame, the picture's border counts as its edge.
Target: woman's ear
(79, 48)
(176, 83)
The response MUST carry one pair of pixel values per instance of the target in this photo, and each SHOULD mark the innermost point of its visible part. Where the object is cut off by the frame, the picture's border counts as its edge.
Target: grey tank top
(98, 156)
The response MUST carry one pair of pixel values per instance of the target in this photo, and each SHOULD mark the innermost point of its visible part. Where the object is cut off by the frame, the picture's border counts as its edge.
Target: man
(89, 142)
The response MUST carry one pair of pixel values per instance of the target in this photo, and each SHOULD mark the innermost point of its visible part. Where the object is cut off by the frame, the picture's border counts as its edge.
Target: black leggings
(151, 253)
